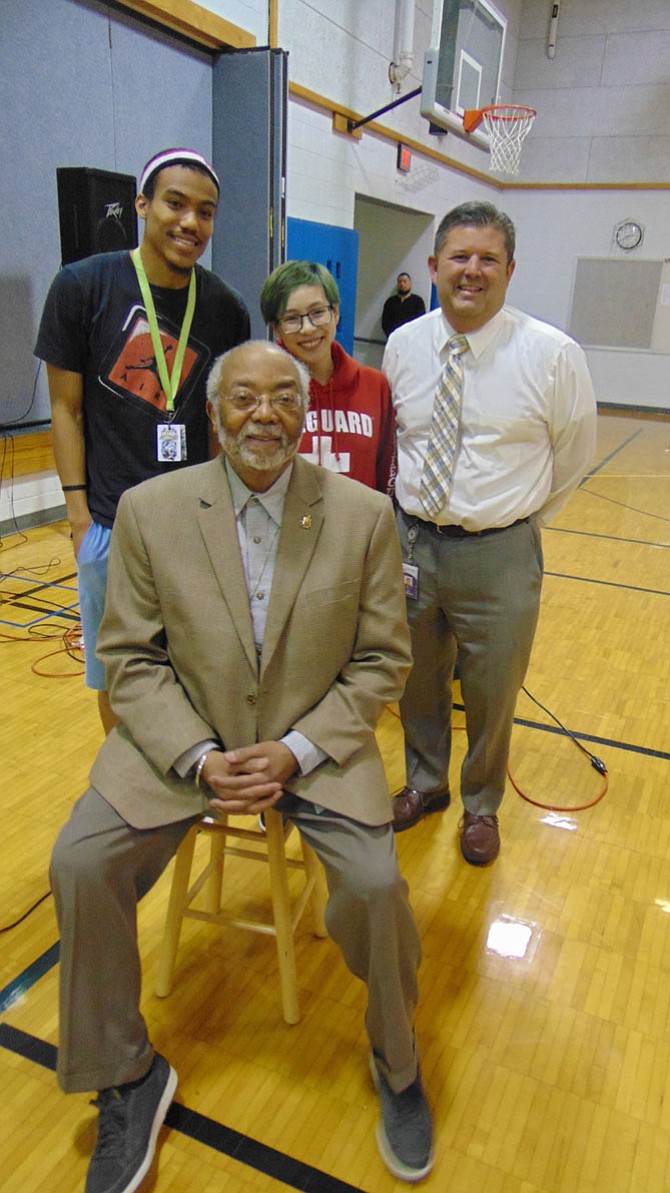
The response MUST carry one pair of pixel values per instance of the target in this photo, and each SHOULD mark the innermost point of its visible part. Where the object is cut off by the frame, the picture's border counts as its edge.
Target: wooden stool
(268, 847)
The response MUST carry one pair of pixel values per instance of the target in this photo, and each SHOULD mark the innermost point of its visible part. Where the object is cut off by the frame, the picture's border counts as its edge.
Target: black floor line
(646, 751)
(609, 583)
(615, 452)
(592, 737)
(42, 586)
(207, 1131)
(612, 538)
(210, 1133)
(54, 611)
(25, 980)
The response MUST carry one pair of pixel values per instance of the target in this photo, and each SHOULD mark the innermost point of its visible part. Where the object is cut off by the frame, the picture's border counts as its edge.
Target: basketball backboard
(463, 64)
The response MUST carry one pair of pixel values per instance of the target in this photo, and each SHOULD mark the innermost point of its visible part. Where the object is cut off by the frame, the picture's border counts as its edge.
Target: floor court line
(204, 1130)
(615, 452)
(613, 538)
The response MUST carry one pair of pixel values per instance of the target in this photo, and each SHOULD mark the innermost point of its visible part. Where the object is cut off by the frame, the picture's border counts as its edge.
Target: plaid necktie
(438, 466)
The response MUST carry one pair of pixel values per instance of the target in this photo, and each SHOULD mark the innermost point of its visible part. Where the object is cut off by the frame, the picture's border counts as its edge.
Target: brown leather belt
(457, 532)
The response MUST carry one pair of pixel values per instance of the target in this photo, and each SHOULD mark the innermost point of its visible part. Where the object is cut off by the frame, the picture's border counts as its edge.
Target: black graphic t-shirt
(94, 323)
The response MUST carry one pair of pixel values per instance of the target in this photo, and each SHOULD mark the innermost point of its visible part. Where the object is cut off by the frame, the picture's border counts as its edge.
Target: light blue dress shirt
(258, 517)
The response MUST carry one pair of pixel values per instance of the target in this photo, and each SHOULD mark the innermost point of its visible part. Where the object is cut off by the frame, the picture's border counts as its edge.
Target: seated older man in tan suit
(254, 630)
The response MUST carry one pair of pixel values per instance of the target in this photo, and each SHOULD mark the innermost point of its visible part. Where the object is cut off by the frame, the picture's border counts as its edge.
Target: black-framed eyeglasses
(318, 317)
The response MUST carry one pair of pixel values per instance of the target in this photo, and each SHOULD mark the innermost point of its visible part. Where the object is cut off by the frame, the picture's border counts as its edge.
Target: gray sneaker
(405, 1130)
(130, 1118)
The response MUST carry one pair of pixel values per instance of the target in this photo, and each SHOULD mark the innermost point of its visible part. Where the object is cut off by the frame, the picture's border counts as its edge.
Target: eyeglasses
(318, 317)
(282, 403)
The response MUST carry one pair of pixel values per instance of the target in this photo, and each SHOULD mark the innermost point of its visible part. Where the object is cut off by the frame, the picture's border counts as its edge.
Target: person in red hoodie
(350, 426)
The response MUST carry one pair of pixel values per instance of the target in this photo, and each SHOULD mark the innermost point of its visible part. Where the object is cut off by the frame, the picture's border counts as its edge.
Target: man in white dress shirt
(473, 559)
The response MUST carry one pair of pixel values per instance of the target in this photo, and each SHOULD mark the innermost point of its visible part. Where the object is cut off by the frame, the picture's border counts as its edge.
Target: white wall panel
(638, 379)
(554, 229)
(578, 63)
(636, 159)
(610, 80)
(251, 15)
(632, 58)
(582, 18)
(598, 111)
(552, 159)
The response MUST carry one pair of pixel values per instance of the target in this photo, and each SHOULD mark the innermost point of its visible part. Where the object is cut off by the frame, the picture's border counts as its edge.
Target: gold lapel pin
(306, 522)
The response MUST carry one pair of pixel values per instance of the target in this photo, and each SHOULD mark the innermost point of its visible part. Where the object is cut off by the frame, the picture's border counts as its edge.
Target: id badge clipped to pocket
(409, 570)
(411, 576)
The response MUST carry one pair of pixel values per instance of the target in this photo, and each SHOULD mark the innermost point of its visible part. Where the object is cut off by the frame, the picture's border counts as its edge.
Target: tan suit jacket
(177, 640)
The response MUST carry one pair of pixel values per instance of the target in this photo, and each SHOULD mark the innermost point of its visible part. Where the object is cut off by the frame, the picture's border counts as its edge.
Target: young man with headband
(128, 339)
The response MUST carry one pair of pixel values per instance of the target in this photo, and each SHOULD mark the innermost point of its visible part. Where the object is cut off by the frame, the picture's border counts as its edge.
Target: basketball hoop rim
(473, 117)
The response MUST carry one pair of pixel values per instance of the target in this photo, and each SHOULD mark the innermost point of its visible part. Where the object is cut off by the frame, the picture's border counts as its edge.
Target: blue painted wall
(337, 249)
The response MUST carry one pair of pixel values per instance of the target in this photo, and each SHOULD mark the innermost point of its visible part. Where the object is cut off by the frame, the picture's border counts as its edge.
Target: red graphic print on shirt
(134, 369)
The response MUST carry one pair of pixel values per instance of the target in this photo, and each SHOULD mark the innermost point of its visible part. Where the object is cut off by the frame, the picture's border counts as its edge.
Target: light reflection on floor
(556, 820)
(508, 937)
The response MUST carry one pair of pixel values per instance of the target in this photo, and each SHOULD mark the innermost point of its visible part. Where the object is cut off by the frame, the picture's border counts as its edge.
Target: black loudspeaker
(96, 209)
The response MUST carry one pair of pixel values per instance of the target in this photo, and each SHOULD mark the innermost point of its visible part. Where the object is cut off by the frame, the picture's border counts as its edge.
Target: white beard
(239, 451)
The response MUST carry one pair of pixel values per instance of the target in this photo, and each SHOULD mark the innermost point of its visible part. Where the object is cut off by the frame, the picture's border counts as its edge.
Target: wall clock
(628, 235)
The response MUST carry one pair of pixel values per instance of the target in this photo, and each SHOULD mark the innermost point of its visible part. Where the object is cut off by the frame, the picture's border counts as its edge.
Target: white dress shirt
(528, 419)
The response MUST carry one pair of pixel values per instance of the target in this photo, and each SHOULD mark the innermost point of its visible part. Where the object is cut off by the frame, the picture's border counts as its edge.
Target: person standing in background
(401, 307)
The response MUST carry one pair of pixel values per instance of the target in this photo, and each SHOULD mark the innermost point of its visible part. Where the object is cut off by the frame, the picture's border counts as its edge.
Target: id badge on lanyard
(170, 436)
(170, 443)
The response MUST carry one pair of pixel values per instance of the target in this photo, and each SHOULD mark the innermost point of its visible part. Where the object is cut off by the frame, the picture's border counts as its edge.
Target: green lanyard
(170, 384)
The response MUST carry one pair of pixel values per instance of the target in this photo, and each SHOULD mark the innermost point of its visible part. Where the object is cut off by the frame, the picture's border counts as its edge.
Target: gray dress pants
(100, 869)
(479, 597)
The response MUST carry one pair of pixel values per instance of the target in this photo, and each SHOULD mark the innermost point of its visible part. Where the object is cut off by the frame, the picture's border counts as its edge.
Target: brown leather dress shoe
(480, 839)
(410, 806)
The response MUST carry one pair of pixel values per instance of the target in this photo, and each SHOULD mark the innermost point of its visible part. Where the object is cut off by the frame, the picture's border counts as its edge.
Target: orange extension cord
(596, 763)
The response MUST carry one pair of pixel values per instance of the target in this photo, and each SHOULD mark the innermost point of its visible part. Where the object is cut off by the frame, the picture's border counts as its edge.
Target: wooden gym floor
(544, 1019)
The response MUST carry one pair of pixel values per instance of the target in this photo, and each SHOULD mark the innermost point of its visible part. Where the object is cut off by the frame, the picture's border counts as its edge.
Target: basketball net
(507, 125)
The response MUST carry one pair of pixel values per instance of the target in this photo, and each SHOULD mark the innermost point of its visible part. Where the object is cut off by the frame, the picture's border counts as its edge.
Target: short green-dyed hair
(278, 288)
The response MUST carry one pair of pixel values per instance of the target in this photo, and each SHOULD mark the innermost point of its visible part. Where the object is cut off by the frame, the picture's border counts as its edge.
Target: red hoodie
(350, 425)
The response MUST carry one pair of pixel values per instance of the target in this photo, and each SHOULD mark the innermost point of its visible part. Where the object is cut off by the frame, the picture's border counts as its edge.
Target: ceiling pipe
(404, 42)
(553, 29)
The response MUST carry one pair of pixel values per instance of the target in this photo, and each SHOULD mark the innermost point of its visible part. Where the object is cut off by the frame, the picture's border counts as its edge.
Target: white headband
(176, 157)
